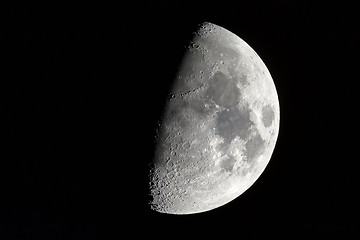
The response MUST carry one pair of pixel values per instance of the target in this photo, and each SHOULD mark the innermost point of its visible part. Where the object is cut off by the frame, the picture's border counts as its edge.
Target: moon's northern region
(219, 127)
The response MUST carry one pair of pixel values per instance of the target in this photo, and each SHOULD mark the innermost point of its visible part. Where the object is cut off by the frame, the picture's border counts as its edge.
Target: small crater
(186, 145)
(196, 45)
(182, 191)
(177, 140)
(160, 184)
(169, 194)
(171, 175)
(170, 164)
(171, 96)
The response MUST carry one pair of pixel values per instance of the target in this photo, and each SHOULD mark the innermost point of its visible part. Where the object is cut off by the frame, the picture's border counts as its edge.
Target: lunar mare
(219, 128)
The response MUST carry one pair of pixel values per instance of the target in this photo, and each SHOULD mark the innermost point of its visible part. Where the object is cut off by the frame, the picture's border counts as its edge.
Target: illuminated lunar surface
(219, 127)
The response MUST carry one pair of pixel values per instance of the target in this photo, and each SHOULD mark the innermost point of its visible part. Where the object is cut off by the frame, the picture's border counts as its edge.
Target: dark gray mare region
(268, 115)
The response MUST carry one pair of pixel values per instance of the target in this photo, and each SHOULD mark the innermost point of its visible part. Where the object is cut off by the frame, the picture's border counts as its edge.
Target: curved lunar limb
(219, 127)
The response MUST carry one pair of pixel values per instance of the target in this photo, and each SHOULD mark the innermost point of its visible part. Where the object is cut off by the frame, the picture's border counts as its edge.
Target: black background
(82, 87)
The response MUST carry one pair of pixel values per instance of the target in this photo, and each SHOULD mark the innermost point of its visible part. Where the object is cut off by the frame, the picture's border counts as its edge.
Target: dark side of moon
(208, 142)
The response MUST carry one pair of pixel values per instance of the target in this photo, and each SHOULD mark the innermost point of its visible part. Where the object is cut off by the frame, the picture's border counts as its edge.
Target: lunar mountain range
(219, 126)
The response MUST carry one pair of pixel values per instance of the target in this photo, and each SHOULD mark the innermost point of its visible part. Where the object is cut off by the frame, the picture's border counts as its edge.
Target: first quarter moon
(219, 126)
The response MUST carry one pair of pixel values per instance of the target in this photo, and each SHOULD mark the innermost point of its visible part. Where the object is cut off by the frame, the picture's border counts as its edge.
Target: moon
(219, 126)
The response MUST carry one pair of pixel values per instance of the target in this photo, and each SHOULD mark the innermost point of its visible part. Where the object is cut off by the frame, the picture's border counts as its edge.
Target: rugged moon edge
(219, 127)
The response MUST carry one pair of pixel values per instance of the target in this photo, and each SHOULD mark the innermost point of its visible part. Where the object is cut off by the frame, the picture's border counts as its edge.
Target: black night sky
(82, 88)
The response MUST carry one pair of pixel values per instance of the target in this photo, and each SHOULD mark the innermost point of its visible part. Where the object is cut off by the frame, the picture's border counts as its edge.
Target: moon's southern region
(219, 127)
